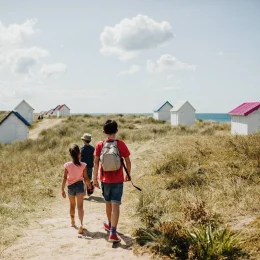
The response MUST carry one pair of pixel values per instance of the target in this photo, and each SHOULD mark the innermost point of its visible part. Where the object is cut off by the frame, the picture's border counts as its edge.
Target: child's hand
(89, 185)
(63, 194)
(96, 184)
(127, 178)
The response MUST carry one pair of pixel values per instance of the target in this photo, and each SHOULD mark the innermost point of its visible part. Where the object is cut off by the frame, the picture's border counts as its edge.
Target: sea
(217, 117)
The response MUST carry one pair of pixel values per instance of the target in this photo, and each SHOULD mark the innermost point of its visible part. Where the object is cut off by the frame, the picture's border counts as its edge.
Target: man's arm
(95, 173)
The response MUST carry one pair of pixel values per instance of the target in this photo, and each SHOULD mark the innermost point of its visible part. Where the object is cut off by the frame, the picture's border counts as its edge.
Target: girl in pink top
(74, 174)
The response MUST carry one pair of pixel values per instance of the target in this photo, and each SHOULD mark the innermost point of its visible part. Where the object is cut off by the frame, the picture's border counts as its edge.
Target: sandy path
(44, 124)
(53, 238)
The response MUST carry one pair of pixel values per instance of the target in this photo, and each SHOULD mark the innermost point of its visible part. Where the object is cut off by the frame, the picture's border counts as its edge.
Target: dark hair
(110, 127)
(74, 152)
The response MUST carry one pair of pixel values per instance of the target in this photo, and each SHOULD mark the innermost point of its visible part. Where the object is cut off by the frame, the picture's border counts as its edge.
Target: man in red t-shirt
(112, 181)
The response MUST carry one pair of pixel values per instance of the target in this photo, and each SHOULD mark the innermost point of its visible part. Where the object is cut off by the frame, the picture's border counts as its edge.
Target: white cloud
(53, 69)
(220, 53)
(130, 36)
(132, 70)
(16, 33)
(23, 59)
(167, 63)
(20, 62)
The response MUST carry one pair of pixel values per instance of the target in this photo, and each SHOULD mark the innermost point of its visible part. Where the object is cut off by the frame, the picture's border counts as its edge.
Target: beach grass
(196, 180)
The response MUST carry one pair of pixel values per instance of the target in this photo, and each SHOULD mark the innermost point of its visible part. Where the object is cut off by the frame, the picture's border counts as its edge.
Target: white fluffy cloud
(132, 70)
(53, 69)
(167, 63)
(18, 57)
(23, 59)
(130, 36)
(16, 33)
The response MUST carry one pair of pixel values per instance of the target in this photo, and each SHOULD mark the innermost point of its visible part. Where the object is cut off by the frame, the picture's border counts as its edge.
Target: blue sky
(124, 56)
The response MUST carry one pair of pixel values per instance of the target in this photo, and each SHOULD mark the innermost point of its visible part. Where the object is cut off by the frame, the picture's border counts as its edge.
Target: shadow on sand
(95, 199)
(127, 241)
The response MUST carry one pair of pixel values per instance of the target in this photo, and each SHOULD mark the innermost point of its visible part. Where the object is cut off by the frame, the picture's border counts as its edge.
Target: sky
(122, 56)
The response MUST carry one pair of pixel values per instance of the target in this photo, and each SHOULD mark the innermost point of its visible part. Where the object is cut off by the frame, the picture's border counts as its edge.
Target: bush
(206, 243)
(167, 238)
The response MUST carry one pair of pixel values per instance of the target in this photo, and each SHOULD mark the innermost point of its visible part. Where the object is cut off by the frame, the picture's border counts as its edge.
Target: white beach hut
(55, 111)
(25, 110)
(63, 110)
(13, 127)
(183, 114)
(48, 113)
(245, 119)
(162, 111)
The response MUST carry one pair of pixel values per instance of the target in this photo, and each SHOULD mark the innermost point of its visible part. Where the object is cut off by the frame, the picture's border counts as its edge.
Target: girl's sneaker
(114, 238)
(106, 226)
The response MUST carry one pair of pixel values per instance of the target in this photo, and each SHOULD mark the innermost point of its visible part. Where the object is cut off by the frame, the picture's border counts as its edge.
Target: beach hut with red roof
(63, 110)
(245, 119)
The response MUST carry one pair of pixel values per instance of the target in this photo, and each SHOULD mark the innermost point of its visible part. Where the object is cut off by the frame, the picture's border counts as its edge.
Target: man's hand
(96, 184)
(63, 193)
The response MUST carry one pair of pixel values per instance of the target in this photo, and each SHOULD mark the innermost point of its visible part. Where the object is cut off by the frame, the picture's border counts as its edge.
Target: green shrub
(166, 238)
(206, 243)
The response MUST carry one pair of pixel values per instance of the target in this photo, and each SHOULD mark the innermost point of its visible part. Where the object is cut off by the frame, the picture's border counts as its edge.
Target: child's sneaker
(114, 238)
(106, 226)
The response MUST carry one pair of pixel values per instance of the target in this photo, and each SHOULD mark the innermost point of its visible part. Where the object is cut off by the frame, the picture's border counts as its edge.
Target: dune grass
(197, 182)
(203, 185)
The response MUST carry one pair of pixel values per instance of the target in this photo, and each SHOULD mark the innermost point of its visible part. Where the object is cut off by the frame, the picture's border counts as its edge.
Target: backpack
(109, 157)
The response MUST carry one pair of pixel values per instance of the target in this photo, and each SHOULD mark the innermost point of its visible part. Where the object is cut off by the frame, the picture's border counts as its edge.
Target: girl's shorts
(76, 188)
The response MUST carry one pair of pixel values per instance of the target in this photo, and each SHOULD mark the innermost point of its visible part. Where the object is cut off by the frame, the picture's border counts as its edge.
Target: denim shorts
(89, 172)
(76, 188)
(112, 192)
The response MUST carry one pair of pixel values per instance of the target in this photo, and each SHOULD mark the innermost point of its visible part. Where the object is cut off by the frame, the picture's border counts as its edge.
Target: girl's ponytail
(74, 152)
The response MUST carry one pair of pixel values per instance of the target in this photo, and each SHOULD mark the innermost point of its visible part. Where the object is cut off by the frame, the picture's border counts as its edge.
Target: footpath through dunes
(51, 237)
(46, 123)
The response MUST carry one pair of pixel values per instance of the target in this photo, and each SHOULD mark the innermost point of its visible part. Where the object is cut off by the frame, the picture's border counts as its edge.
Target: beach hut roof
(60, 107)
(179, 105)
(54, 109)
(158, 107)
(23, 101)
(18, 116)
(245, 109)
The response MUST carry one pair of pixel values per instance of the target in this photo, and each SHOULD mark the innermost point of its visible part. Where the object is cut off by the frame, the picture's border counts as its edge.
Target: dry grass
(31, 171)
(192, 176)
(197, 180)
(3, 114)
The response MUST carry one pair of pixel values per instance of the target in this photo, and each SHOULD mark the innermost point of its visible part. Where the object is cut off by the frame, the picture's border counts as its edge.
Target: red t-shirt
(112, 176)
